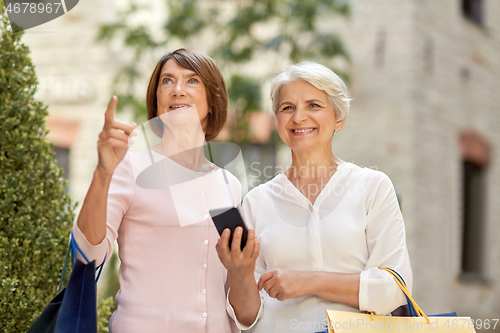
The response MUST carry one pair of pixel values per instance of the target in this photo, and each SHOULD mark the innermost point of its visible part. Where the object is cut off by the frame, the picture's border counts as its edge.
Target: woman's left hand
(283, 284)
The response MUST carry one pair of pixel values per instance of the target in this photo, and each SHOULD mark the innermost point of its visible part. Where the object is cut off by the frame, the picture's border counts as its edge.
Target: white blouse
(355, 225)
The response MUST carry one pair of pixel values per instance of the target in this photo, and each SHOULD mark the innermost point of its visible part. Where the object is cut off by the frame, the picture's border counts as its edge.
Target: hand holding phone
(229, 218)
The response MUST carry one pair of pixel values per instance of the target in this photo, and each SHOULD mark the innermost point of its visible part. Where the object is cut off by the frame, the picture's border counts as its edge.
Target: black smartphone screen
(229, 218)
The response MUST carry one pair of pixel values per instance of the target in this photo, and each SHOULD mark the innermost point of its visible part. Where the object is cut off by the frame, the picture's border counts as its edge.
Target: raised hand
(283, 284)
(113, 140)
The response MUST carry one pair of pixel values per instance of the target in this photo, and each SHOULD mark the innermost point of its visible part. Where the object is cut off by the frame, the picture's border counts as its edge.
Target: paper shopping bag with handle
(343, 321)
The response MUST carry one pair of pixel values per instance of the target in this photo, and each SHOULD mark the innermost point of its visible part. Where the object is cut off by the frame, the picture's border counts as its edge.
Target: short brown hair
(211, 77)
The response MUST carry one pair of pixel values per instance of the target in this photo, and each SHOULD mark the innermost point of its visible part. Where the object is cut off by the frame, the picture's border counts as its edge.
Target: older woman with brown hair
(170, 277)
(325, 227)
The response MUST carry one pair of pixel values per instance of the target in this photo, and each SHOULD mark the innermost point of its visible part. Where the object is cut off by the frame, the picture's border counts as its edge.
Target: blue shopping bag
(74, 308)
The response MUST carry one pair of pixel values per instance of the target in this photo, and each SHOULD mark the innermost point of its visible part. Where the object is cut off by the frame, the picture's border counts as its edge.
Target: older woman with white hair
(322, 230)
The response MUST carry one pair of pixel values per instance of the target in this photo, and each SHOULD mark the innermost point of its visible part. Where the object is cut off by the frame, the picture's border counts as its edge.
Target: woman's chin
(301, 147)
(179, 119)
(308, 145)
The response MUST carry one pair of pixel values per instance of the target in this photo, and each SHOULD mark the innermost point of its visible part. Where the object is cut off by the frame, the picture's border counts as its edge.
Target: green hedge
(36, 214)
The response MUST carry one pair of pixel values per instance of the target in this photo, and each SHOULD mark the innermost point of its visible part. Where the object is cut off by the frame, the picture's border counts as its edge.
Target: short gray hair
(320, 77)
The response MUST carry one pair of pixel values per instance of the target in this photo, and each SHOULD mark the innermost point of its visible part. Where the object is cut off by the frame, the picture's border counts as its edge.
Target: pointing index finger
(110, 112)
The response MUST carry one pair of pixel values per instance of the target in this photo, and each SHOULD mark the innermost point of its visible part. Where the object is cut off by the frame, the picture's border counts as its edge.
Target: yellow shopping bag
(343, 321)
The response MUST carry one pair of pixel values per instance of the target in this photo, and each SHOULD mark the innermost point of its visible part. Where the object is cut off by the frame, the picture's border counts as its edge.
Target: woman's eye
(286, 108)
(167, 81)
(314, 105)
(193, 81)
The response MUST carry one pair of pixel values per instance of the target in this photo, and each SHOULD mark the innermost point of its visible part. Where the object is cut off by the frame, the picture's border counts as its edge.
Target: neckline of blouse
(282, 178)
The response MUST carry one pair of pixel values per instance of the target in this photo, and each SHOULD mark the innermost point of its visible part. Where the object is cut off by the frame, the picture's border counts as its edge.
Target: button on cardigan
(171, 279)
(354, 226)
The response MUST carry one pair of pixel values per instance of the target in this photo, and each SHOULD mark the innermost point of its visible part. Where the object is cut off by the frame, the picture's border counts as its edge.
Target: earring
(338, 129)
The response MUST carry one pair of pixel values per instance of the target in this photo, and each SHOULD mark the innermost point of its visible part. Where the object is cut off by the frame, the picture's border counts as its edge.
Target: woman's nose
(178, 90)
(299, 115)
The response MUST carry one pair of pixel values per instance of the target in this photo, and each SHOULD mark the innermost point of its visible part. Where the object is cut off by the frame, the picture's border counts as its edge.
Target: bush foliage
(36, 214)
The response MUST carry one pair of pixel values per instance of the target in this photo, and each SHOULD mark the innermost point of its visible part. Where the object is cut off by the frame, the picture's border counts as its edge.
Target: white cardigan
(355, 225)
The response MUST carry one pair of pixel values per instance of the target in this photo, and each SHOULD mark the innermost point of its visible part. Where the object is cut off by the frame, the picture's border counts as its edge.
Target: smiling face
(181, 89)
(306, 120)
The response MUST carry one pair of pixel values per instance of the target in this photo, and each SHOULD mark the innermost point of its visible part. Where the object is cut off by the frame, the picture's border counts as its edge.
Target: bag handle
(75, 245)
(72, 248)
(65, 265)
(411, 303)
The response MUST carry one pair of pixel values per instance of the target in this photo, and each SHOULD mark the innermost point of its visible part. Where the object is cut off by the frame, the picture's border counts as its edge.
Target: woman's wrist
(101, 176)
(244, 297)
(242, 276)
(310, 282)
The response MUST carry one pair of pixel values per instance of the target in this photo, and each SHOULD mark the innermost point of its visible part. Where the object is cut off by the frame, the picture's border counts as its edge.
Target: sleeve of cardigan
(259, 264)
(386, 241)
(120, 196)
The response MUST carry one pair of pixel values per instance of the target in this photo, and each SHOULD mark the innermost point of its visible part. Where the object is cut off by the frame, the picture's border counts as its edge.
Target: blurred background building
(425, 78)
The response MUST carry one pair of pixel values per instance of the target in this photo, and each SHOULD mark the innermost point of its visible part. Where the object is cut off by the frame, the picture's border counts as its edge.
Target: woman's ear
(339, 125)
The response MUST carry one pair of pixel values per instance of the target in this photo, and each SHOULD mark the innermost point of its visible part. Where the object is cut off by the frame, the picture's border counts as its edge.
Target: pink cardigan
(171, 279)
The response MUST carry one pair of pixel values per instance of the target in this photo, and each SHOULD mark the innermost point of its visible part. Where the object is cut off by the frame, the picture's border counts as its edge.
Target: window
(63, 133)
(472, 218)
(62, 158)
(476, 156)
(473, 10)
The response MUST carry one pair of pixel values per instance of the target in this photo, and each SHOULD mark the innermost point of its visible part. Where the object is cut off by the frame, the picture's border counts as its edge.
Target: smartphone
(229, 217)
